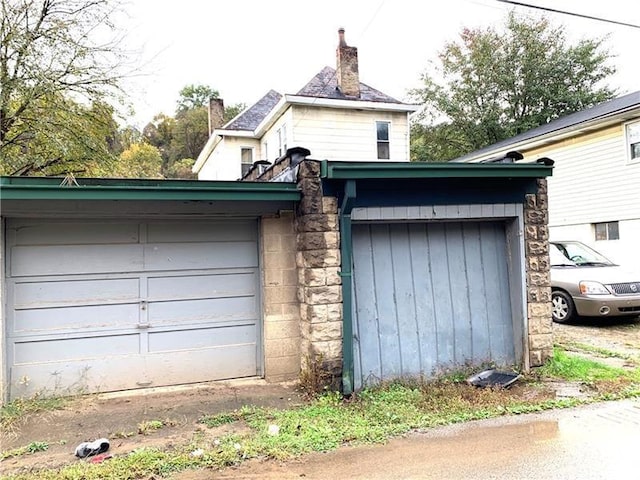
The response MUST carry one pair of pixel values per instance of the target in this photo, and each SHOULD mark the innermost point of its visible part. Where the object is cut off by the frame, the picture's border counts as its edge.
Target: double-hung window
(246, 159)
(632, 136)
(606, 231)
(382, 135)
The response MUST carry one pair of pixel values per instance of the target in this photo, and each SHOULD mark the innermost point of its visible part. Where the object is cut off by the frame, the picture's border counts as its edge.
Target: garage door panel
(212, 310)
(74, 233)
(202, 286)
(75, 348)
(404, 293)
(168, 257)
(199, 338)
(429, 296)
(102, 307)
(166, 232)
(75, 260)
(75, 292)
(90, 318)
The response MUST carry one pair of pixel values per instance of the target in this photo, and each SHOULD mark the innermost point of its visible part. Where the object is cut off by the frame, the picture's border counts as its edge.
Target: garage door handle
(143, 326)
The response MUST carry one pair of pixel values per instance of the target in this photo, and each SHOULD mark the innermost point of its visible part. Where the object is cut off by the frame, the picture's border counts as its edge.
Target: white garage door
(112, 305)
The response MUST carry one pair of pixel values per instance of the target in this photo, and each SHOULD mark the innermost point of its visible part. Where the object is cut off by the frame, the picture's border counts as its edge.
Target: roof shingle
(253, 116)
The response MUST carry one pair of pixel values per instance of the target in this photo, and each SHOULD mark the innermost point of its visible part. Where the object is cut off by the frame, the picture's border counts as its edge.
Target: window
(265, 151)
(282, 140)
(606, 231)
(246, 159)
(633, 141)
(382, 133)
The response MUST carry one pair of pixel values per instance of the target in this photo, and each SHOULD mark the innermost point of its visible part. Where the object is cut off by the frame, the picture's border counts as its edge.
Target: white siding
(271, 137)
(623, 251)
(592, 181)
(224, 163)
(335, 134)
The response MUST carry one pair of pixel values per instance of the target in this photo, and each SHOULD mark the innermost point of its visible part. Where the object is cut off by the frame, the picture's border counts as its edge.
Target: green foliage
(180, 139)
(140, 160)
(59, 67)
(149, 426)
(570, 367)
(33, 447)
(490, 85)
(213, 421)
(195, 96)
(16, 410)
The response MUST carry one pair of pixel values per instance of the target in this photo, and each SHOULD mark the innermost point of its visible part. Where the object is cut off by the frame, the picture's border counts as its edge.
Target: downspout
(347, 293)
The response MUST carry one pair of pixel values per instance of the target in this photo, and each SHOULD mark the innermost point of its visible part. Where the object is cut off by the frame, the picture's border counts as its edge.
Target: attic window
(382, 133)
(633, 141)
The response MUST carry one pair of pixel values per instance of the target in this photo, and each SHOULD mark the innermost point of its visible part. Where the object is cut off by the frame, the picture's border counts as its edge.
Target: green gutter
(347, 286)
(391, 170)
(40, 188)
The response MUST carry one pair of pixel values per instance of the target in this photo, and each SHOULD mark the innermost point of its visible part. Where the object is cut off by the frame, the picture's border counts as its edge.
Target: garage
(429, 297)
(105, 290)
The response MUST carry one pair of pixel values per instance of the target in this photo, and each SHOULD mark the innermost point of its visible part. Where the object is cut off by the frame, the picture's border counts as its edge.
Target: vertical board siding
(429, 296)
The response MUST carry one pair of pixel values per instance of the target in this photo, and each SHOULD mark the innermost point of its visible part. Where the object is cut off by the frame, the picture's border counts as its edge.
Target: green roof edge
(388, 170)
(43, 188)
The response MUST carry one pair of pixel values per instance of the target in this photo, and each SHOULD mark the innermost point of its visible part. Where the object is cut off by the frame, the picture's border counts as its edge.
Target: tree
(181, 138)
(59, 61)
(491, 85)
(195, 96)
(140, 160)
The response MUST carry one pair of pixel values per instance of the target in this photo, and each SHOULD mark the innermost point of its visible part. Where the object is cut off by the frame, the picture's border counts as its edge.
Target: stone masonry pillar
(536, 219)
(319, 281)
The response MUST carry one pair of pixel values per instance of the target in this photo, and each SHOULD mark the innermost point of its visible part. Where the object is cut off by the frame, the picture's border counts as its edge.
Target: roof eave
(38, 188)
(351, 104)
(392, 170)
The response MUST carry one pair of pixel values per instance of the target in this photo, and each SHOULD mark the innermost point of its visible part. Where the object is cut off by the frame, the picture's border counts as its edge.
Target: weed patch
(18, 409)
(149, 426)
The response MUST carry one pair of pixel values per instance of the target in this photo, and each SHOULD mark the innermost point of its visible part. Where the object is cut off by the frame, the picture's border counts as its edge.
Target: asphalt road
(595, 442)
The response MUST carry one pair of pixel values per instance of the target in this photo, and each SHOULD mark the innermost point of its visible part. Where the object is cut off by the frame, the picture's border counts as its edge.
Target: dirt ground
(118, 416)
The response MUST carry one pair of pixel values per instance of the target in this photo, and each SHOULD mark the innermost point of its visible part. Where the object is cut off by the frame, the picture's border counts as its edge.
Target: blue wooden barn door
(428, 297)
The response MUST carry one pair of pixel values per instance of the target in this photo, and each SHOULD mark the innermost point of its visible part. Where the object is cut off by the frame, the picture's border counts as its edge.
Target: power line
(547, 9)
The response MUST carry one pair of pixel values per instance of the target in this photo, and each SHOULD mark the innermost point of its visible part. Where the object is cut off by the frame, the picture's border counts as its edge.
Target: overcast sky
(243, 48)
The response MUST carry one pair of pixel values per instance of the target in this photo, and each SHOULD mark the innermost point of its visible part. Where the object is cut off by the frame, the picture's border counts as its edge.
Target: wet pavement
(595, 442)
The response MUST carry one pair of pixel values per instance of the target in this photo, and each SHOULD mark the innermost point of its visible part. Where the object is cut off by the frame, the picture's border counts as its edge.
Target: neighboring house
(334, 115)
(594, 194)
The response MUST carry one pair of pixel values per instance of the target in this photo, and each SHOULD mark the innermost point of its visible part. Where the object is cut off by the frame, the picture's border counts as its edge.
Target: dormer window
(382, 133)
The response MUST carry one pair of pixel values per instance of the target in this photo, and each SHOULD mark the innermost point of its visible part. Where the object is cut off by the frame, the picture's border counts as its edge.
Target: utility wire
(547, 9)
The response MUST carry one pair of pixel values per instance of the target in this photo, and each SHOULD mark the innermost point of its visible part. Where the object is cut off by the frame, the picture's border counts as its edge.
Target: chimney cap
(342, 42)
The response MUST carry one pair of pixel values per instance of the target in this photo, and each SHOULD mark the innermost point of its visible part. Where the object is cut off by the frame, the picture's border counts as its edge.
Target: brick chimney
(216, 114)
(347, 67)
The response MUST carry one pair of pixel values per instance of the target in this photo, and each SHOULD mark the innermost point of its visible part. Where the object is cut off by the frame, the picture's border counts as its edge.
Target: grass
(371, 416)
(149, 426)
(33, 447)
(599, 351)
(14, 411)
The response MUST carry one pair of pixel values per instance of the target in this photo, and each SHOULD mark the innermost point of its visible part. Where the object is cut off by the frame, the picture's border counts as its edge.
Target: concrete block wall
(536, 229)
(279, 298)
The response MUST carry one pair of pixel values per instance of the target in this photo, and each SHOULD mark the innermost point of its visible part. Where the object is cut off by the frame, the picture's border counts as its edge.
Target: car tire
(562, 307)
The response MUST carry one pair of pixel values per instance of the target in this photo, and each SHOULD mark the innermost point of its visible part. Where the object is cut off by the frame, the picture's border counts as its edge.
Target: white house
(334, 115)
(594, 193)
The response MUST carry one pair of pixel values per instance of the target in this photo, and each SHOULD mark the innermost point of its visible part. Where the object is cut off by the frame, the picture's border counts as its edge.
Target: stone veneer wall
(536, 219)
(279, 298)
(319, 281)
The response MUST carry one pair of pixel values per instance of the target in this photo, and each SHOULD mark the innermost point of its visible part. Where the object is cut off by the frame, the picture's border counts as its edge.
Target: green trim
(346, 254)
(388, 170)
(46, 188)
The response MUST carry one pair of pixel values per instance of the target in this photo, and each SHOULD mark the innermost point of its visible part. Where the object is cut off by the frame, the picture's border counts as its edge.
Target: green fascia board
(47, 188)
(389, 170)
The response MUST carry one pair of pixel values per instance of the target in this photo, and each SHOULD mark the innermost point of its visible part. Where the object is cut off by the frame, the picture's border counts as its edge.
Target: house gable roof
(325, 85)
(601, 111)
(250, 118)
